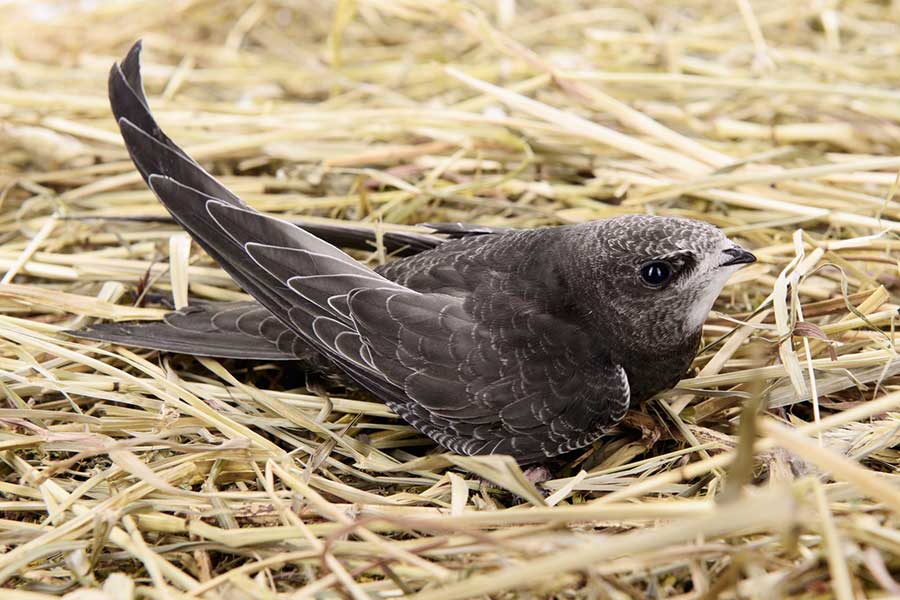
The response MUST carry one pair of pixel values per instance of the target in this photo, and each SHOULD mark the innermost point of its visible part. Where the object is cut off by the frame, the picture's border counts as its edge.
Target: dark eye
(656, 273)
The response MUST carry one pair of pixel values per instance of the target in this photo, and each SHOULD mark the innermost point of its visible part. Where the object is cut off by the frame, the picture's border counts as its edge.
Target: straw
(131, 473)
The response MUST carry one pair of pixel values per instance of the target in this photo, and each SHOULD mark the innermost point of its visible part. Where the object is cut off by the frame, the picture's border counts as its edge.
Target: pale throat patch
(700, 309)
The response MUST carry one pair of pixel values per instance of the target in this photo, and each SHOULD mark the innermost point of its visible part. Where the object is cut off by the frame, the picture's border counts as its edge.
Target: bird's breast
(656, 368)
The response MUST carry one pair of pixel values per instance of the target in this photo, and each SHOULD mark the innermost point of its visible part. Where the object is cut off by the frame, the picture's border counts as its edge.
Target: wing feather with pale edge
(242, 330)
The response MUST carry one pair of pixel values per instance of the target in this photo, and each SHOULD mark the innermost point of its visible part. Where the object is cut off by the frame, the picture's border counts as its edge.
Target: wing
(487, 364)
(243, 330)
(245, 243)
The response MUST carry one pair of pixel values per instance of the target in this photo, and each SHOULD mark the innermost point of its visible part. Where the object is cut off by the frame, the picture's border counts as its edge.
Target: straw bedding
(770, 471)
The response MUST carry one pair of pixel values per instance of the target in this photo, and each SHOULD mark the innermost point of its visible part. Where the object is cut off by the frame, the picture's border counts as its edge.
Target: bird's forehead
(644, 235)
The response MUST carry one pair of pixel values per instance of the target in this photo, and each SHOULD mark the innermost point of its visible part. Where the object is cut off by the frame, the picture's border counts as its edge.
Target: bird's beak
(737, 256)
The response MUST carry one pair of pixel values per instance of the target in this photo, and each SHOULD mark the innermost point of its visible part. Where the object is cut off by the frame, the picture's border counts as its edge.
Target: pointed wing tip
(90, 333)
(125, 81)
(132, 60)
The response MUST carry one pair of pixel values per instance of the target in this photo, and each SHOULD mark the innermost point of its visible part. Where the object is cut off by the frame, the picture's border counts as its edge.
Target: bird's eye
(656, 273)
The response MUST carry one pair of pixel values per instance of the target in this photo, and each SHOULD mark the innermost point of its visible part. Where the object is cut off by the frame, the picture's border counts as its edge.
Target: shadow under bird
(530, 343)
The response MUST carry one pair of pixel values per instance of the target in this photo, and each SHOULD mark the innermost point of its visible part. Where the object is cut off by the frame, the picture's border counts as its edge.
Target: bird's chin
(699, 311)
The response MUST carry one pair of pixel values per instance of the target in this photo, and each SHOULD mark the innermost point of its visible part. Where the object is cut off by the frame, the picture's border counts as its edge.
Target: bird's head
(658, 276)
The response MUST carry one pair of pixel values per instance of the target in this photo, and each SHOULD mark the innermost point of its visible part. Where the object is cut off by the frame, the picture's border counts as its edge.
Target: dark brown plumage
(524, 342)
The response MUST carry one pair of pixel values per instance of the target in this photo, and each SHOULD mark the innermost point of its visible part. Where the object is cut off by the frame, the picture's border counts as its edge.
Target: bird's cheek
(634, 313)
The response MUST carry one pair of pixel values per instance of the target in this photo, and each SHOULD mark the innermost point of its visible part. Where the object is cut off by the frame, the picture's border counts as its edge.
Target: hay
(132, 474)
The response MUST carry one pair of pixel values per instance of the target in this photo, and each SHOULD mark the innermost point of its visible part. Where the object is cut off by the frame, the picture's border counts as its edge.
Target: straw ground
(771, 471)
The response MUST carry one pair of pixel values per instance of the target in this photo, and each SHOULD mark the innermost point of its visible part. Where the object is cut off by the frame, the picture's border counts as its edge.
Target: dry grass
(130, 474)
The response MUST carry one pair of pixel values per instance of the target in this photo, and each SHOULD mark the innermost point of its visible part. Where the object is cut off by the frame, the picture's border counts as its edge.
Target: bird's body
(523, 342)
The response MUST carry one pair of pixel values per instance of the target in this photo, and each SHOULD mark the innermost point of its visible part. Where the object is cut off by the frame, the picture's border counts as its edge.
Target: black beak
(738, 256)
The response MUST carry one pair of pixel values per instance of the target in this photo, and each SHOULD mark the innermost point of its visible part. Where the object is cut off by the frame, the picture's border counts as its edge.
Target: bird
(525, 342)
